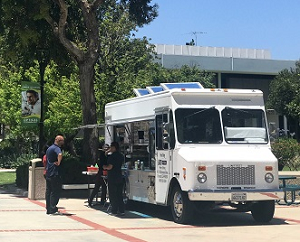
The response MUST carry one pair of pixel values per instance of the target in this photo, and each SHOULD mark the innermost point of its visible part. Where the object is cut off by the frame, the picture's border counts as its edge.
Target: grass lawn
(7, 178)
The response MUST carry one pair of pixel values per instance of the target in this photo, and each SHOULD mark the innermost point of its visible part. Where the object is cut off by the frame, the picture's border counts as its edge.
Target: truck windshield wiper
(239, 110)
(200, 111)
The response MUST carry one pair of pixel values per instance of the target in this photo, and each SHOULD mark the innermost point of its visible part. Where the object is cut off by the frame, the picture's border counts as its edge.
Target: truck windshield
(244, 125)
(200, 126)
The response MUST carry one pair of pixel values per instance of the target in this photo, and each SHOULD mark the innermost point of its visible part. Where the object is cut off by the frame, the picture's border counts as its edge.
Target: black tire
(263, 211)
(181, 206)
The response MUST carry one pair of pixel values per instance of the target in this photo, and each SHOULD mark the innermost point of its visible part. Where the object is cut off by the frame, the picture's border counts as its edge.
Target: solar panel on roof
(155, 89)
(141, 92)
(168, 86)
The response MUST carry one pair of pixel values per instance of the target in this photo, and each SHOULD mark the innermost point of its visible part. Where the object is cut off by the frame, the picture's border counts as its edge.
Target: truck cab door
(163, 154)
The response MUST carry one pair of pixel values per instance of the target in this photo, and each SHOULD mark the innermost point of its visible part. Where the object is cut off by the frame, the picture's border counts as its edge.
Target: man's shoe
(112, 214)
(121, 214)
(58, 213)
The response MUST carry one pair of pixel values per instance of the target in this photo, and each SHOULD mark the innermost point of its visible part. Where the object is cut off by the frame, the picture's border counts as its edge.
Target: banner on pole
(31, 104)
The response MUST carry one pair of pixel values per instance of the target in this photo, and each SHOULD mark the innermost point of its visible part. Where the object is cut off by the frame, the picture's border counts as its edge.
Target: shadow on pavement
(220, 216)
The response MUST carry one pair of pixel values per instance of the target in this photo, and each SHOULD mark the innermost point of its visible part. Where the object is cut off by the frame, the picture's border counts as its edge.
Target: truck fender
(174, 182)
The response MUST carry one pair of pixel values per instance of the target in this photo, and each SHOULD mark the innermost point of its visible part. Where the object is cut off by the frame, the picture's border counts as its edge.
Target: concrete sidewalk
(22, 219)
(25, 220)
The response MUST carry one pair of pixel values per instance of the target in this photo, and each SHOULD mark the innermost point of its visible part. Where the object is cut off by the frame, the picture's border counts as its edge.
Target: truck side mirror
(165, 128)
(165, 133)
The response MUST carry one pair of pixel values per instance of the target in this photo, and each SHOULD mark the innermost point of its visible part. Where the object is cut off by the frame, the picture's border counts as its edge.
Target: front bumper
(236, 195)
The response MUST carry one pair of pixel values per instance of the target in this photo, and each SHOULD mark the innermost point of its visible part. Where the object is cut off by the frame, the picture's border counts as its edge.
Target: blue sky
(257, 24)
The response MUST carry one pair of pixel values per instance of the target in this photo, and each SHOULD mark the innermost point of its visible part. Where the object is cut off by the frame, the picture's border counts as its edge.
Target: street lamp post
(43, 59)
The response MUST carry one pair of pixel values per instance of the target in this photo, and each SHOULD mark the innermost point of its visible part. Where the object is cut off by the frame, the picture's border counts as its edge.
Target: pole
(41, 135)
(43, 62)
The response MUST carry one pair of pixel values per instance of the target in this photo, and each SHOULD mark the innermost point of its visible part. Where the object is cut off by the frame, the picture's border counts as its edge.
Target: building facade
(234, 68)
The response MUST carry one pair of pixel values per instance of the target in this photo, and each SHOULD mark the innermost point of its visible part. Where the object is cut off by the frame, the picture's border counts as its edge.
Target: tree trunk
(91, 136)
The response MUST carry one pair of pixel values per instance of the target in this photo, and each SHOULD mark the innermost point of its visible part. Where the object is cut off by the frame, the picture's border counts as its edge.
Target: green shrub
(12, 149)
(287, 152)
(22, 176)
(4, 161)
(6, 151)
(71, 168)
(21, 163)
(18, 160)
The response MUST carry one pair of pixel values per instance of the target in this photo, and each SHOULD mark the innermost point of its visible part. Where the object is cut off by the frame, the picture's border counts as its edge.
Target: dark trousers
(99, 182)
(53, 189)
(116, 197)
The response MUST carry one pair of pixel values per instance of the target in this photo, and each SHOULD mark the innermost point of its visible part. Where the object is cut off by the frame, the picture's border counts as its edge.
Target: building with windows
(234, 68)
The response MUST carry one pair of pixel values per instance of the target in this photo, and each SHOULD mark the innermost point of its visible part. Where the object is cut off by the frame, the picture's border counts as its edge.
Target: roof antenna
(195, 34)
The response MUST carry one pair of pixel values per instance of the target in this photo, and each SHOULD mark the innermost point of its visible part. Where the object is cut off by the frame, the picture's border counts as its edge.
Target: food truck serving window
(198, 125)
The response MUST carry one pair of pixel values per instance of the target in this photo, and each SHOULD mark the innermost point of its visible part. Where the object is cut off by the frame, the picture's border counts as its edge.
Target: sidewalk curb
(7, 170)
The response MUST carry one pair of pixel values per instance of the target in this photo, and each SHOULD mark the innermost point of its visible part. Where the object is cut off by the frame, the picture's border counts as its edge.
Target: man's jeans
(53, 189)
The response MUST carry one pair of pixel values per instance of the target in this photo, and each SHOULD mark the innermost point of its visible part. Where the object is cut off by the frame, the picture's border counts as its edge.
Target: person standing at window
(99, 180)
(115, 180)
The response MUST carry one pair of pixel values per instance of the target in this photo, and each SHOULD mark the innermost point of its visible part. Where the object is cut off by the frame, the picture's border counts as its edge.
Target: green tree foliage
(284, 92)
(284, 95)
(10, 97)
(287, 151)
(129, 65)
(10, 110)
(135, 68)
(75, 26)
(62, 104)
(185, 74)
(125, 63)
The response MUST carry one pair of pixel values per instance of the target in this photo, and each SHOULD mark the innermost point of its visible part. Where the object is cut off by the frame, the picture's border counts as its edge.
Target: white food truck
(191, 148)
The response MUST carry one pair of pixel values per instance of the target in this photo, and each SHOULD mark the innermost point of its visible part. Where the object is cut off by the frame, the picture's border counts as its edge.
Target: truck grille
(235, 175)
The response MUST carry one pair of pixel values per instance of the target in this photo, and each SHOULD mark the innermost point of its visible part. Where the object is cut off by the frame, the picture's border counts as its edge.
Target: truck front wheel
(182, 208)
(263, 211)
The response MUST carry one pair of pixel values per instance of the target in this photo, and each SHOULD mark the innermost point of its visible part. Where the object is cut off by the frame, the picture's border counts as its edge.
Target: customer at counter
(115, 180)
(99, 182)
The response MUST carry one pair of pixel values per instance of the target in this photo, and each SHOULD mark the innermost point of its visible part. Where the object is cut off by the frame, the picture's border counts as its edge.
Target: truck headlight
(202, 178)
(269, 178)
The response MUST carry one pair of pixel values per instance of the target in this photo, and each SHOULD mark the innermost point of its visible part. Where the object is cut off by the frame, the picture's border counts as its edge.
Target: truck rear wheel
(263, 211)
(182, 208)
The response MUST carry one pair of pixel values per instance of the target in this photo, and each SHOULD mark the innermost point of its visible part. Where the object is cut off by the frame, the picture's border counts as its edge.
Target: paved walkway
(25, 220)
(22, 219)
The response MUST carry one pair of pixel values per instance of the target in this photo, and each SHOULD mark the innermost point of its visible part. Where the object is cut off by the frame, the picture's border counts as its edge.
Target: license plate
(238, 196)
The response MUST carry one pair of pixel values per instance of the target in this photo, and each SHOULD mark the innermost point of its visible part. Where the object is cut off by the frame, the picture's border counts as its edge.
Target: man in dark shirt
(53, 177)
(115, 179)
